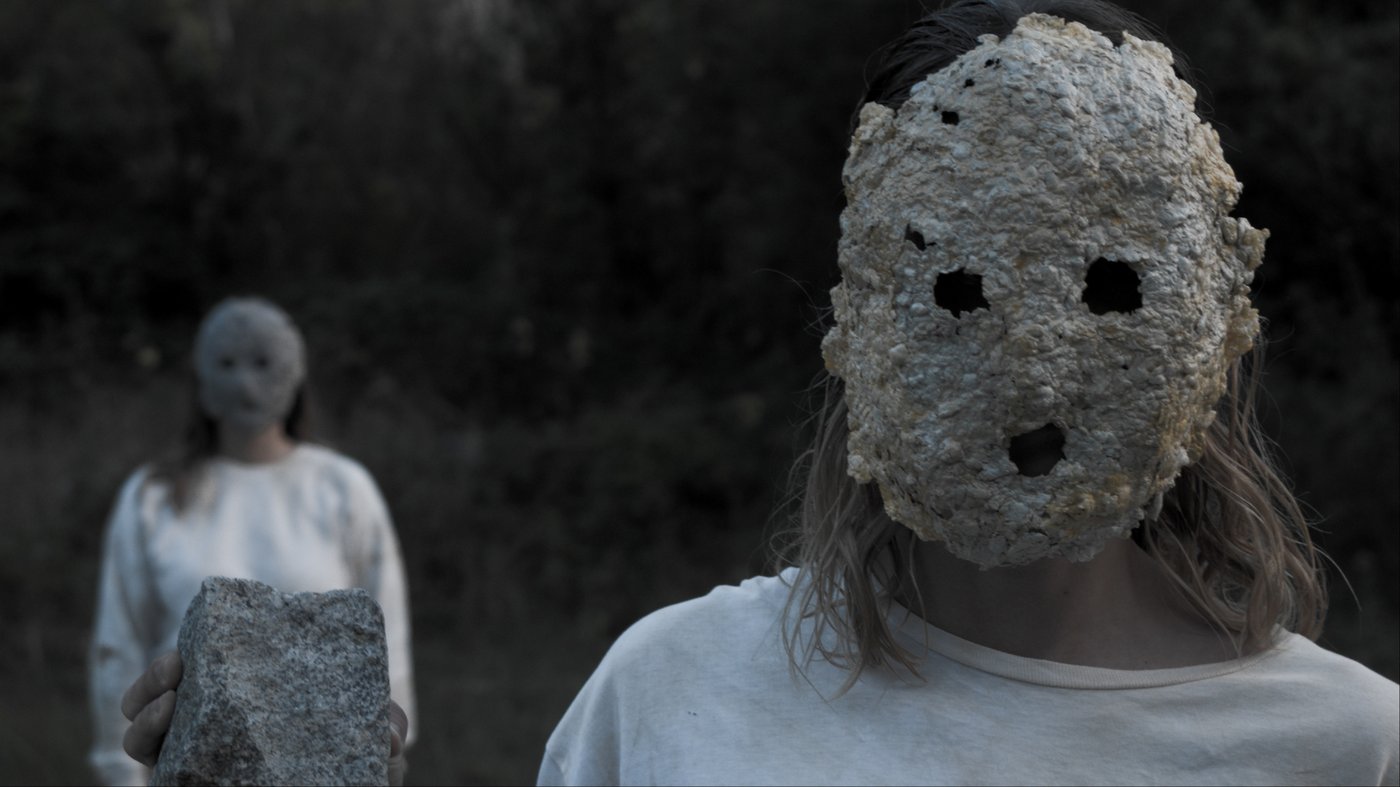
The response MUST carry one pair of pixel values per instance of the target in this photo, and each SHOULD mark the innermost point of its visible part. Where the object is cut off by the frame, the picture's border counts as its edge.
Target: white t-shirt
(312, 521)
(701, 693)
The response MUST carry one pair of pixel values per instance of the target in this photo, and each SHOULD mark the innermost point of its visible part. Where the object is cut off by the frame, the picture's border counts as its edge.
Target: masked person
(249, 497)
(1039, 542)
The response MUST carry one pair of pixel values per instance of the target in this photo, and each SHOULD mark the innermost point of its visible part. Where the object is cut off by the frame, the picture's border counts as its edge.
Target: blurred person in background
(248, 496)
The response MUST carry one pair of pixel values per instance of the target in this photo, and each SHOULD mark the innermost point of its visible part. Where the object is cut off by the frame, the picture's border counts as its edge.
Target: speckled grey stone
(279, 688)
(1014, 170)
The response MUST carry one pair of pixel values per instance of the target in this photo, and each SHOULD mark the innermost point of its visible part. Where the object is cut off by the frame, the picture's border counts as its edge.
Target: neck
(1116, 610)
(255, 446)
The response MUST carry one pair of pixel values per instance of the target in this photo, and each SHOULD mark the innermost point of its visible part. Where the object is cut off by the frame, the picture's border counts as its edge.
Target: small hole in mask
(969, 83)
(1112, 286)
(951, 118)
(1036, 452)
(996, 61)
(915, 237)
(959, 292)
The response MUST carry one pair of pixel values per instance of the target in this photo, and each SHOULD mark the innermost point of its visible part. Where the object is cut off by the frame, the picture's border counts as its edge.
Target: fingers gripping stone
(162, 676)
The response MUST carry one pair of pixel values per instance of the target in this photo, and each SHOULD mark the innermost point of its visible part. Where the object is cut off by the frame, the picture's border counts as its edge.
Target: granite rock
(279, 688)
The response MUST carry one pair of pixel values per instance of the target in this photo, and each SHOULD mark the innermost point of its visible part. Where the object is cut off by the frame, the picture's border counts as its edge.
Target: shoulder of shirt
(734, 616)
(142, 481)
(139, 476)
(326, 459)
(1335, 678)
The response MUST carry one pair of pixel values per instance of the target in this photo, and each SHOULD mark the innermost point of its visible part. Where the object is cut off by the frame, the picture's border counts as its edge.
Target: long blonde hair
(1231, 537)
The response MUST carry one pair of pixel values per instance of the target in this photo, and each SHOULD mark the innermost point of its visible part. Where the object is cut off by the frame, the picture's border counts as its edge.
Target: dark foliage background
(559, 266)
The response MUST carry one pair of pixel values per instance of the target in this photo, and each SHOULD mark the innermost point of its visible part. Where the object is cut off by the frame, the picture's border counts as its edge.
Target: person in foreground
(1039, 538)
(249, 497)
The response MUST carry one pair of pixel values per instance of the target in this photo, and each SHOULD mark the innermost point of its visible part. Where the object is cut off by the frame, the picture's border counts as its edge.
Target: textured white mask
(1042, 291)
(249, 360)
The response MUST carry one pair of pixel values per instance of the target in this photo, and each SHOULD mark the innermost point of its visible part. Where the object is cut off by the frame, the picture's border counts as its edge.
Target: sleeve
(123, 634)
(606, 735)
(584, 748)
(378, 568)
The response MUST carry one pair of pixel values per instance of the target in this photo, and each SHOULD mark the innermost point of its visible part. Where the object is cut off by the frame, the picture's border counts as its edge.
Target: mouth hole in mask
(1112, 286)
(1036, 452)
(959, 292)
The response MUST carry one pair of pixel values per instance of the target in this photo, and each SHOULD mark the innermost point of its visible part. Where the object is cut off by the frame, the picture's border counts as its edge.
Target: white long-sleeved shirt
(312, 521)
(701, 693)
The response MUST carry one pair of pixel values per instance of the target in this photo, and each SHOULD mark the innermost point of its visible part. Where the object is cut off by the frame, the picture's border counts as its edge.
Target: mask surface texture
(250, 361)
(1042, 293)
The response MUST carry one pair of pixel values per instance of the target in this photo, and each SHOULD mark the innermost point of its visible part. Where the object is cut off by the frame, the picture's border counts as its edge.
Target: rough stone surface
(279, 688)
(1024, 162)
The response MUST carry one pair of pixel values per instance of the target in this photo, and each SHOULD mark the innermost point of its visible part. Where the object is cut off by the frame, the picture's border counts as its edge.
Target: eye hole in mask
(1112, 286)
(959, 292)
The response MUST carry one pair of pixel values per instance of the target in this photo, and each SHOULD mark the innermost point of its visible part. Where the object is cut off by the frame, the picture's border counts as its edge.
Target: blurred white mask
(250, 361)
(1042, 292)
